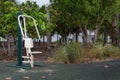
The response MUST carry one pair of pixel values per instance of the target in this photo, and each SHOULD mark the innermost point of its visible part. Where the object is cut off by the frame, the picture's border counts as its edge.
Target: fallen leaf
(49, 74)
(26, 77)
(8, 78)
(106, 66)
(43, 77)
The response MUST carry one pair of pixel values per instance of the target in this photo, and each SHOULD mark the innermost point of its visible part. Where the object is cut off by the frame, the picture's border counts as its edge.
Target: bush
(74, 52)
(104, 51)
(70, 53)
(60, 55)
(111, 51)
(96, 52)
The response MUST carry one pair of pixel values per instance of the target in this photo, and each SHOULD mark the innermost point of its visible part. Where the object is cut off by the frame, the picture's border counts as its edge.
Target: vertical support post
(48, 24)
(19, 46)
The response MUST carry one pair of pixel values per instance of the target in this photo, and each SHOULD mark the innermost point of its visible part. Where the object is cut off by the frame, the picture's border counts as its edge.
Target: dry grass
(75, 53)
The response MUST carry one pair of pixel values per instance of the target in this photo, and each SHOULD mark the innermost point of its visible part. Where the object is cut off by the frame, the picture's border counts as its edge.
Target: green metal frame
(19, 45)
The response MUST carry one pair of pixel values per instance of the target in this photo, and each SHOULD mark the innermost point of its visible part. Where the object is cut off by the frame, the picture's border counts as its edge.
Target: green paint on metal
(19, 46)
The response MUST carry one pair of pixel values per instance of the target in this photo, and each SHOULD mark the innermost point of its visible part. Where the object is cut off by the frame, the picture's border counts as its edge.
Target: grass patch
(75, 53)
(103, 52)
(70, 53)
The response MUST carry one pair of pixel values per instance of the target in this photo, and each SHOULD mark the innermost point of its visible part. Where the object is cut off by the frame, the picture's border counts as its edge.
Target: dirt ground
(39, 47)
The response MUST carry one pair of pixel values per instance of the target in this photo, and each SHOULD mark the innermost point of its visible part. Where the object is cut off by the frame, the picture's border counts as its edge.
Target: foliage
(8, 26)
(67, 16)
(75, 53)
(104, 52)
(8, 18)
(72, 16)
(61, 56)
(70, 53)
(32, 9)
(9, 10)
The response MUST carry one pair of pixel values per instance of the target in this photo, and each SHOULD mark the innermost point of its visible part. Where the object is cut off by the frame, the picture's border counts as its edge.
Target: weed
(68, 54)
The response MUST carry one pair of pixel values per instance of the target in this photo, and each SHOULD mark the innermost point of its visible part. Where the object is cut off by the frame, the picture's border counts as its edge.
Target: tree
(8, 28)
(8, 12)
(63, 12)
(84, 15)
(32, 9)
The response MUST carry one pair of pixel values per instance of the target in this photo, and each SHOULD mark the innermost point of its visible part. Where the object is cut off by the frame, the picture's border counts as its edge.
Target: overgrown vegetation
(76, 53)
(71, 53)
(103, 52)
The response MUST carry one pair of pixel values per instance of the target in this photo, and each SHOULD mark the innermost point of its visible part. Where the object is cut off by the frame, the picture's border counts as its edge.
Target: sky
(39, 2)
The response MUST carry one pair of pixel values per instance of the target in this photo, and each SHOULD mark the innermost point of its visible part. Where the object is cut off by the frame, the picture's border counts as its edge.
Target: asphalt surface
(109, 70)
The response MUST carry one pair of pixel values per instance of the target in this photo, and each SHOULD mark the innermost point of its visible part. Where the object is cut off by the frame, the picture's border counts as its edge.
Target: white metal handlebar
(24, 33)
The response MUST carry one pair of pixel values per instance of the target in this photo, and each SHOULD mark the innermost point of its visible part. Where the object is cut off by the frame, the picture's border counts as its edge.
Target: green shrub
(96, 52)
(74, 51)
(111, 51)
(61, 55)
(104, 51)
(70, 53)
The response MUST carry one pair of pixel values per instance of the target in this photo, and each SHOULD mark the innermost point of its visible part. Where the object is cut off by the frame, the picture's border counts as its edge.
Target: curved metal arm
(24, 33)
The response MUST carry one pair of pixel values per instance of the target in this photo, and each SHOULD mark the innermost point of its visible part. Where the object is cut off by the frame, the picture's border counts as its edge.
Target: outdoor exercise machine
(28, 42)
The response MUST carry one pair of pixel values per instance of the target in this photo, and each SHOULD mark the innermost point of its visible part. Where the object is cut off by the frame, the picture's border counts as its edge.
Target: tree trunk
(64, 39)
(57, 37)
(96, 33)
(48, 24)
(4, 48)
(9, 49)
(9, 46)
(85, 36)
(48, 39)
(115, 34)
(76, 36)
(105, 36)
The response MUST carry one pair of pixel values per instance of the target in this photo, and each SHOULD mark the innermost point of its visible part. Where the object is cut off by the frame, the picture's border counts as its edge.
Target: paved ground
(109, 70)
